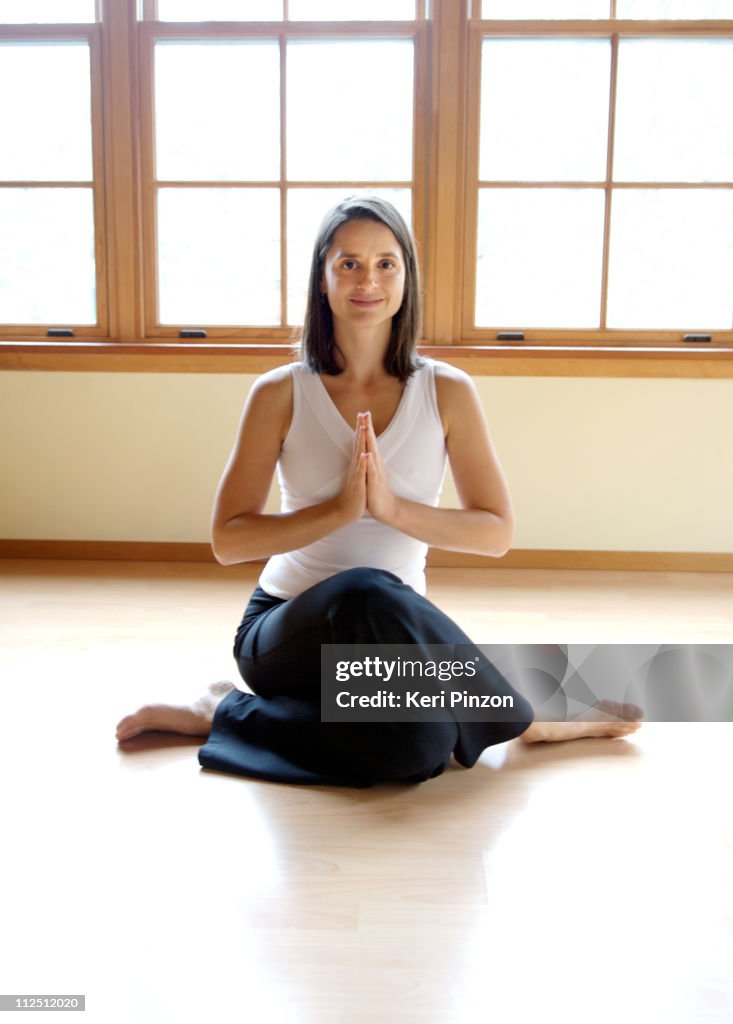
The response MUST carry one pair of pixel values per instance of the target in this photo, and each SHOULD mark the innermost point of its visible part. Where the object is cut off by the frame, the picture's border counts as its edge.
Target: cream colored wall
(599, 464)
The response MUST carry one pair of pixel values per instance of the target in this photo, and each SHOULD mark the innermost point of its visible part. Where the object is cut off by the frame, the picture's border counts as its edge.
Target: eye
(387, 265)
(348, 264)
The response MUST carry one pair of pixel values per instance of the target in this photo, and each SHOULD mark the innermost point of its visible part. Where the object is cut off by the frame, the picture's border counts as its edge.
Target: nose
(368, 277)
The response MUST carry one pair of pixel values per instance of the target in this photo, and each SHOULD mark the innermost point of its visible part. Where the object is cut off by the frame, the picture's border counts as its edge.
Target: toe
(131, 725)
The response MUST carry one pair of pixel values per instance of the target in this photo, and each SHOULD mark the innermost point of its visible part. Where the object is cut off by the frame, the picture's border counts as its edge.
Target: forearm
(249, 537)
(476, 531)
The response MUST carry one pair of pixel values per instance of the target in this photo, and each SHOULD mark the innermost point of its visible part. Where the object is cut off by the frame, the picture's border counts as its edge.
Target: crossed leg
(607, 719)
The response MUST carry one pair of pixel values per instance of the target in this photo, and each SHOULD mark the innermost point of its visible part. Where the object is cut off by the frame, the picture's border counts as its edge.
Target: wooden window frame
(151, 33)
(602, 338)
(91, 34)
(445, 190)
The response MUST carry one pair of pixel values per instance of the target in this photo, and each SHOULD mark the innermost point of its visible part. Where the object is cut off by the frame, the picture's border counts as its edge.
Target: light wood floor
(589, 881)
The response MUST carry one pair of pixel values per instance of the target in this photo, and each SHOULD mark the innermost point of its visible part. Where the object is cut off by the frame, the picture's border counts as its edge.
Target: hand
(352, 500)
(380, 500)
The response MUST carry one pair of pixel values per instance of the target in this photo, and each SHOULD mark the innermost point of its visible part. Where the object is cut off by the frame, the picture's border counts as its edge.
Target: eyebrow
(353, 255)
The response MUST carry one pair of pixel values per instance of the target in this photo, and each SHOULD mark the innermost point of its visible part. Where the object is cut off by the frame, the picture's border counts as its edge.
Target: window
(567, 165)
(600, 190)
(235, 169)
(51, 199)
(241, 178)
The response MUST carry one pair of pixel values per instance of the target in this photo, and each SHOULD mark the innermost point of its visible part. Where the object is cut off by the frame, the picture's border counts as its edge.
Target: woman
(359, 432)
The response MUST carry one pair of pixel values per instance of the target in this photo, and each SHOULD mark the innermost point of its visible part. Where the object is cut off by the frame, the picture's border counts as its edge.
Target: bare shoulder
(454, 390)
(450, 378)
(271, 394)
(275, 386)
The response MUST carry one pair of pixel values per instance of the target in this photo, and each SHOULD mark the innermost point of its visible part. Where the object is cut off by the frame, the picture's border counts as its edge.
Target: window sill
(478, 360)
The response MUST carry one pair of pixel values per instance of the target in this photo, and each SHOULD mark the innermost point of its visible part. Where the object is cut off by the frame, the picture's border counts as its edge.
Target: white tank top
(312, 467)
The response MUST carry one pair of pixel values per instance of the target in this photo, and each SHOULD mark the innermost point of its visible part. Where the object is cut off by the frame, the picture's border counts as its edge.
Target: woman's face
(364, 274)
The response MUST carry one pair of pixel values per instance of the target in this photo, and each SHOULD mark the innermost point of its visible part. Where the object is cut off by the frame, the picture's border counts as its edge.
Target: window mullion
(101, 234)
(444, 270)
(123, 250)
(283, 178)
(609, 180)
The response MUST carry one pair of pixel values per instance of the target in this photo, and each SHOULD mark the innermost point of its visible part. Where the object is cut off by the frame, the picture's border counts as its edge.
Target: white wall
(600, 464)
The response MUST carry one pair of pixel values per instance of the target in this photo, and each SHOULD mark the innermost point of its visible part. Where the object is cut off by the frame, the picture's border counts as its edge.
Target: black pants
(276, 733)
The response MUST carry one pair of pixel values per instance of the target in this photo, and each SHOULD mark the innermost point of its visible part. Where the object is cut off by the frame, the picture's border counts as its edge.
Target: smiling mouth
(366, 302)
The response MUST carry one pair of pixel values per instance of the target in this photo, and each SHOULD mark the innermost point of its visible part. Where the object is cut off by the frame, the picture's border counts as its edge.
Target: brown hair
(317, 348)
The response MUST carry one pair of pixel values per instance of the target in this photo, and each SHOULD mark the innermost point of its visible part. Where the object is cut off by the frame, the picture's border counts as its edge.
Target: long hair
(317, 343)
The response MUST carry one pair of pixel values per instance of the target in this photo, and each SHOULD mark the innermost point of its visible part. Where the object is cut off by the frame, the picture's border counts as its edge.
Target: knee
(364, 581)
(364, 593)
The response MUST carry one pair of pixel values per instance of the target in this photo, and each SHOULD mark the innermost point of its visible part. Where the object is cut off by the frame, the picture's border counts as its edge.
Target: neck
(361, 353)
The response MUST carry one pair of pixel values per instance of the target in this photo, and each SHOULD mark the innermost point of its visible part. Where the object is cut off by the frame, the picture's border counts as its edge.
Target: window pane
(220, 10)
(674, 9)
(272, 10)
(673, 120)
(45, 112)
(219, 256)
(337, 90)
(351, 10)
(671, 259)
(539, 9)
(217, 111)
(551, 124)
(539, 257)
(19, 12)
(306, 210)
(47, 270)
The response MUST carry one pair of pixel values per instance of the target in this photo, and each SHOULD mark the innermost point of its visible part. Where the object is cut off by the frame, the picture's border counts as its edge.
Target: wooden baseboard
(107, 550)
(612, 561)
(164, 551)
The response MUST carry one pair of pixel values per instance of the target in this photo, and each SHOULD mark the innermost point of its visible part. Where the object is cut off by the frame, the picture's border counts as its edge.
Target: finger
(360, 470)
(370, 436)
(361, 431)
(359, 442)
(370, 426)
(361, 479)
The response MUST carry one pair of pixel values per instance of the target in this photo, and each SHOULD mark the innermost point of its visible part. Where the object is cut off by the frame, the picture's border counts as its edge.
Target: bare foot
(189, 719)
(607, 718)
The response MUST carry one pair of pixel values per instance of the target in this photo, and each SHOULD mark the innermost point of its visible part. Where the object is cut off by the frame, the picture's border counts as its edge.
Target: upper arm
(475, 466)
(245, 483)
